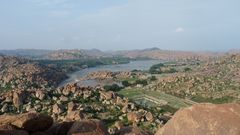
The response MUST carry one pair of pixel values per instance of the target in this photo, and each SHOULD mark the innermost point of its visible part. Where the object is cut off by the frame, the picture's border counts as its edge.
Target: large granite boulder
(204, 119)
(88, 127)
(13, 132)
(31, 122)
(132, 131)
(60, 128)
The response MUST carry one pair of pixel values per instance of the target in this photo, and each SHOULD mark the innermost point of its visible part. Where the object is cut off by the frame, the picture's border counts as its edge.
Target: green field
(173, 101)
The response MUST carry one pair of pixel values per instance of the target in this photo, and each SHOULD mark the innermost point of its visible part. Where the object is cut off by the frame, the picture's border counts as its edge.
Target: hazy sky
(120, 24)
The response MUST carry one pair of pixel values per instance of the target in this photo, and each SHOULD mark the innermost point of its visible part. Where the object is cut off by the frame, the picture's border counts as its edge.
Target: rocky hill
(150, 53)
(20, 73)
(215, 81)
(56, 54)
(155, 53)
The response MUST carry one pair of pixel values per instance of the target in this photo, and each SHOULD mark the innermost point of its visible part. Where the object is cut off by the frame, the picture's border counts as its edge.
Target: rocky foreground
(200, 119)
(204, 119)
(74, 103)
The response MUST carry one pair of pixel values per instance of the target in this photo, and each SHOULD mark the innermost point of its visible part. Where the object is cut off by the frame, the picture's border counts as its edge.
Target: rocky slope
(101, 75)
(20, 73)
(73, 102)
(204, 119)
(215, 81)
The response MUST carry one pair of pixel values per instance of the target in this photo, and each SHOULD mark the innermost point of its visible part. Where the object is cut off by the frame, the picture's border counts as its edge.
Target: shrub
(153, 78)
(143, 82)
(172, 70)
(113, 87)
(156, 69)
(125, 83)
(186, 69)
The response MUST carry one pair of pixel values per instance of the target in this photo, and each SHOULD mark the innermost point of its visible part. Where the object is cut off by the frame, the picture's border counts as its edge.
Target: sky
(120, 24)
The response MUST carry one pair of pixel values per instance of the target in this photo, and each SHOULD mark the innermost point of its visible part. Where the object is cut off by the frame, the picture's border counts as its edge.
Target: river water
(138, 65)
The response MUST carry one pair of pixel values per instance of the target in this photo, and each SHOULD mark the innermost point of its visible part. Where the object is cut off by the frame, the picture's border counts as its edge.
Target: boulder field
(199, 119)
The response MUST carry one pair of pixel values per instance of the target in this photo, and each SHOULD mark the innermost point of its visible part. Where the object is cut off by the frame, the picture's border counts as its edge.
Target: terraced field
(155, 98)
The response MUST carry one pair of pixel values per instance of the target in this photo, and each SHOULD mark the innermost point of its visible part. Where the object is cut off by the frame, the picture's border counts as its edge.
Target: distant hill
(156, 53)
(31, 53)
(152, 53)
(56, 54)
(20, 73)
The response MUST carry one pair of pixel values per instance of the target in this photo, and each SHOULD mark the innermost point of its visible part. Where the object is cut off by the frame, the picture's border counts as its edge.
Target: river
(138, 65)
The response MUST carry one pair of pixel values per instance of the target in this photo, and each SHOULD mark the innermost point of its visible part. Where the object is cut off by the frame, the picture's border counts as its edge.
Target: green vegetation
(7, 87)
(73, 65)
(156, 69)
(172, 101)
(125, 83)
(152, 78)
(141, 81)
(221, 100)
(161, 68)
(113, 87)
(186, 69)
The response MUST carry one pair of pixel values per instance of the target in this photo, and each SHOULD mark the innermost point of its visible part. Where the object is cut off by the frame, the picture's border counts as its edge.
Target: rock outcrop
(30, 122)
(88, 127)
(132, 131)
(40, 124)
(204, 119)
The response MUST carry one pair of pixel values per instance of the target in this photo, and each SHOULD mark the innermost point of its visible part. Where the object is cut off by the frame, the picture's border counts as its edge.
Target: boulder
(149, 116)
(204, 119)
(13, 132)
(40, 94)
(71, 106)
(31, 122)
(88, 127)
(131, 131)
(40, 133)
(57, 109)
(134, 117)
(74, 116)
(60, 128)
(118, 125)
(18, 98)
(8, 127)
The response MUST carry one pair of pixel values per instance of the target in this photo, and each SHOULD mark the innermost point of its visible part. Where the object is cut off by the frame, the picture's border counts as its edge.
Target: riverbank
(77, 76)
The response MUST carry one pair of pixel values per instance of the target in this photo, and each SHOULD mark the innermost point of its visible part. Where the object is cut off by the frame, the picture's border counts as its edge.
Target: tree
(143, 82)
(186, 69)
(113, 87)
(156, 69)
(153, 78)
(125, 83)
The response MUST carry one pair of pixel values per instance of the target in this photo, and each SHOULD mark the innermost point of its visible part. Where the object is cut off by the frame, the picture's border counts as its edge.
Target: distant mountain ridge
(152, 53)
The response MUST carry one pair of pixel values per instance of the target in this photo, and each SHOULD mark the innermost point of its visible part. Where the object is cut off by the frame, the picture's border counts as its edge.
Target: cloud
(179, 29)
